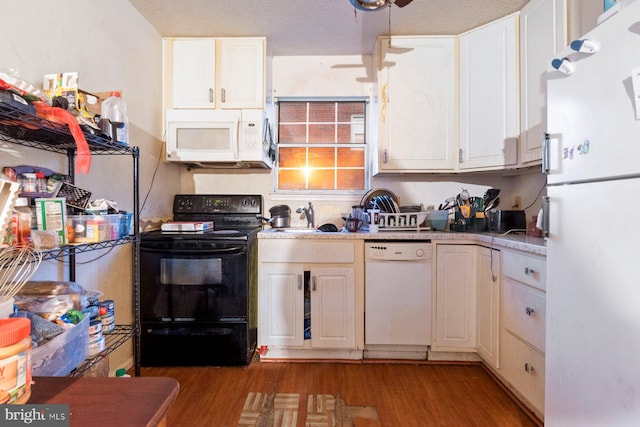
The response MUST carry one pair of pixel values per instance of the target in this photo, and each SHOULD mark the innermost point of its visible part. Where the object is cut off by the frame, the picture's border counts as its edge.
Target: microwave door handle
(236, 142)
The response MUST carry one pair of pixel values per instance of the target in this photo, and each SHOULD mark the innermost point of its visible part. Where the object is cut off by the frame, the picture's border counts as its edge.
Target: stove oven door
(194, 304)
(206, 283)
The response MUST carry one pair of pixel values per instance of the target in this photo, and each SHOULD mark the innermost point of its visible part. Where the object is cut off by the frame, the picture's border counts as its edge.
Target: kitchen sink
(296, 230)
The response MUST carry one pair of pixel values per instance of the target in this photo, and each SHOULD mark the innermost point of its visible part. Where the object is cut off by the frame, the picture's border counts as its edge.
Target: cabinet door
(281, 305)
(333, 307)
(489, 96)
(488, 306)
(543, 31)
(417, 104)
(192, 73)
(455, 314)
(241, 72)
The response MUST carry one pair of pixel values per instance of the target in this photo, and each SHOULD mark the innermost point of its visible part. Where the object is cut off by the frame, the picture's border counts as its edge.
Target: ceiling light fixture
(372, 5)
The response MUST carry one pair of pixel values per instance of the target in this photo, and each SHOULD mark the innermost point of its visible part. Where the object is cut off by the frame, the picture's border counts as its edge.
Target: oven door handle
(194, 251)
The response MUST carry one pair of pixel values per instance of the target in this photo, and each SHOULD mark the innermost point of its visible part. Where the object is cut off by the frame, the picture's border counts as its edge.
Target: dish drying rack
(403, 221)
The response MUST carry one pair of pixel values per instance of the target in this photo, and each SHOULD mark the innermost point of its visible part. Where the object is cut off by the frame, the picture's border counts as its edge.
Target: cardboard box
(51, 214)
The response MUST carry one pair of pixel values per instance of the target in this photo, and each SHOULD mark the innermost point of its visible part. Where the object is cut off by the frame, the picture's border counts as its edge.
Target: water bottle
(113, 118)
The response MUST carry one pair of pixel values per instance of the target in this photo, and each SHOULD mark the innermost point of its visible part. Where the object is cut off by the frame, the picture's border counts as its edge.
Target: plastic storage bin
(438, 220)
(61, 355)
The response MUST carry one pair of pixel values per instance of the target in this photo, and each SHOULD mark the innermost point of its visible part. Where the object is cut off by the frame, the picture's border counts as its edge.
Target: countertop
(519, 241)
(137, 401)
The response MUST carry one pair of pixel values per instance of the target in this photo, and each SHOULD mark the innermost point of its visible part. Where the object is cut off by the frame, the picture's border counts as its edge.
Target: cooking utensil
(492, 204)
(280, 216)
(448, 204)
(17, 265)
(490, 194)
(463, 198)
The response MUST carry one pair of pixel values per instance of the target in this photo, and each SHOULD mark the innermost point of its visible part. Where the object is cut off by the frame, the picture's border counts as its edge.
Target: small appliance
(501, 221)
(220, 139)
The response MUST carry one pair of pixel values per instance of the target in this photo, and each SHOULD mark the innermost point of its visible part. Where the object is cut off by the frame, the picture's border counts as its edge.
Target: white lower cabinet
(320, 295)
(455, 298)
(523, 368)
(488, 305)
(522, 346)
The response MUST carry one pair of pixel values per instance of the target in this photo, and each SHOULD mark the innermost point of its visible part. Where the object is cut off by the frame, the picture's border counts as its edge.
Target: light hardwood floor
(323, 394)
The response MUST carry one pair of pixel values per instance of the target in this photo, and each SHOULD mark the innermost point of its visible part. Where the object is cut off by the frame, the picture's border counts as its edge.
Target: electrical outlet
(516, 202)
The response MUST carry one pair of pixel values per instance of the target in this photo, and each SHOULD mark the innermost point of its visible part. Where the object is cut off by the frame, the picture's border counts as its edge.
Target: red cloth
(59, 115)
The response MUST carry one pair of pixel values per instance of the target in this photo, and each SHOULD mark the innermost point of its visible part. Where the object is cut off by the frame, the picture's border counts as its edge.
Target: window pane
(291, 179)
(292, 133)
(348, 109)
(321, 179)
(293, 112)
(322, 157)
(351, 133)
(350, 179)
(351, 157)
(322, 134)
(324, 112)
(291, 157)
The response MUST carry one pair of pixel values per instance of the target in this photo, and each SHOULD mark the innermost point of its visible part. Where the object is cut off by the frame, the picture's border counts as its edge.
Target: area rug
(281, 410)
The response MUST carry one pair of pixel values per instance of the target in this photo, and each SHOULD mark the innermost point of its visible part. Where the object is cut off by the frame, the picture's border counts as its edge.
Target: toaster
(501, 221)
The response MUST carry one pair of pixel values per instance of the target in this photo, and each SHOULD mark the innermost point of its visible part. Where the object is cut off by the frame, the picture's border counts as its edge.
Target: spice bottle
(21, 222)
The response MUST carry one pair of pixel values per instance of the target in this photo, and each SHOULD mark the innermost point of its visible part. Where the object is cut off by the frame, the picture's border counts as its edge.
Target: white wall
(113, 48)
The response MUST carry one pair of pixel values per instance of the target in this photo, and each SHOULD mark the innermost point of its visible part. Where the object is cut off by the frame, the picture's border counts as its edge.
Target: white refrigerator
(593, 244)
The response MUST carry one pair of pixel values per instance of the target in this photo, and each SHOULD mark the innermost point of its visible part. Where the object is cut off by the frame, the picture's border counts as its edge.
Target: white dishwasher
(397, 299)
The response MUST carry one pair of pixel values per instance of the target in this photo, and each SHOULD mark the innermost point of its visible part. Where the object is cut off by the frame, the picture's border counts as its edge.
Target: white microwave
(219, 138)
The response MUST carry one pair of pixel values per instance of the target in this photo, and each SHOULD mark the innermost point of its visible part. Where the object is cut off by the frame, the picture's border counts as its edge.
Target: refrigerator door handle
(545, 153)
(545, 216)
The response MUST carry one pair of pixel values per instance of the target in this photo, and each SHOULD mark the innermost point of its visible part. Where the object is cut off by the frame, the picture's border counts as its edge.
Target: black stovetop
(235, 217)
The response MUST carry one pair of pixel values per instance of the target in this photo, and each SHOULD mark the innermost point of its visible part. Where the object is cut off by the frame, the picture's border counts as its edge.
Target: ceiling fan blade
(402, 3)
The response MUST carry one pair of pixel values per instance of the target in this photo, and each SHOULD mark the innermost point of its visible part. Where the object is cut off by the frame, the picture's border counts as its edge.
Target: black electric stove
(199, 288)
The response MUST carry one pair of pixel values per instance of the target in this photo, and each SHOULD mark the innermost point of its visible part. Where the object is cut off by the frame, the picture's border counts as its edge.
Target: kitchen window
(321, 145)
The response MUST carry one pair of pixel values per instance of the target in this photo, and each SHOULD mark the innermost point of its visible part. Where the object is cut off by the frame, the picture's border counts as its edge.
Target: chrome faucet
(308, 214)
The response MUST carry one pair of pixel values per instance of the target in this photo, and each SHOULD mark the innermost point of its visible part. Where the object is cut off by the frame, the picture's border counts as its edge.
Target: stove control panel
(217, 204)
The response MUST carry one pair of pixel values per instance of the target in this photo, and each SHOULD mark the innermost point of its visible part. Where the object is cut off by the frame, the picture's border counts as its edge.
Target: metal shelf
(65, 251)
(23, 128)
(113, 340)
(19, 127)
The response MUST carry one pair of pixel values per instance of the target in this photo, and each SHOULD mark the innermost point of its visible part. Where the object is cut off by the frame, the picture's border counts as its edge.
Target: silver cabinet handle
(528, 368)
(210, 94)
(299, 281)
(384, 156)
(528, 270)
(460, 155)
(313, 285)
(529, 311)
(545, 153)
(223, 95)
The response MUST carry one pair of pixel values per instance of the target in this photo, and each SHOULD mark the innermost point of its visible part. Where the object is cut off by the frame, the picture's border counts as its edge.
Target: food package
(51, 214)
(62, 84)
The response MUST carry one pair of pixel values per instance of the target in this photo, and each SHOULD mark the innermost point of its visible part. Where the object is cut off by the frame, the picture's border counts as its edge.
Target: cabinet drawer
(524, 311)
(301, 250)
(525, 268)
(523, 368)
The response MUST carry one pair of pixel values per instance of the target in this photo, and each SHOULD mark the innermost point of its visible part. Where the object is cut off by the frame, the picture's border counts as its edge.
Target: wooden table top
(135, 401)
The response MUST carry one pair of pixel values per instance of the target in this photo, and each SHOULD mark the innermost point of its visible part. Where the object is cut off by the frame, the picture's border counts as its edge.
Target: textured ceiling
(314, 27)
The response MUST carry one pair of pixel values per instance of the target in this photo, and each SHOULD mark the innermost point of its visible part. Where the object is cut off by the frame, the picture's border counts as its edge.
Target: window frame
(366, 146)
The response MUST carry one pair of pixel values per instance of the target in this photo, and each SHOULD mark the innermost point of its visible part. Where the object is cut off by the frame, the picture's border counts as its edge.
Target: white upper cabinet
(489, 96)
(209, 73)
(417, 104)
(543, 32)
